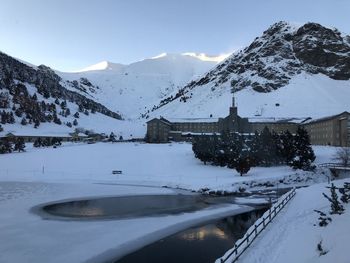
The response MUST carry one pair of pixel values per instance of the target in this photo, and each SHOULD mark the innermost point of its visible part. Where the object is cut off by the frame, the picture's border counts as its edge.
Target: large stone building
(332, 130)
(163, 130)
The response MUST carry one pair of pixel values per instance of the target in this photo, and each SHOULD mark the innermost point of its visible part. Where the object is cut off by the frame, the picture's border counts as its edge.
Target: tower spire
(233, 97)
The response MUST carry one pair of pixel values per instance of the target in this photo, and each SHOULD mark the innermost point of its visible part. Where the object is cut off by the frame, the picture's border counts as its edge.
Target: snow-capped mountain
(291, 70)
(104, 65)
(130, 89)
(33, 101)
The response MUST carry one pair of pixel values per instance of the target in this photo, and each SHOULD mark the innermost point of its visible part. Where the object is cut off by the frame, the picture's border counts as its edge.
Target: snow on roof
(200, 133)
(193, 120)
(278, 120)
(327, 117)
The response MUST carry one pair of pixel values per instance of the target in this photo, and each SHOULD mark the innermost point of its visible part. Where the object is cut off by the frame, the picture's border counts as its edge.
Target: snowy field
(294, 234)
(80, 170)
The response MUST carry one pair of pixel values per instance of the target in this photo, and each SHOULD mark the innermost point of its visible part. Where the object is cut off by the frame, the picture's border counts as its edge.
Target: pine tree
(11, 118)
(36, 123)
(38, 143)
(112, 137)
(75, 122)
(345, 193)
(63, 105)
(76, 115)
(243, 166)
(5, 145)
(24, 121)
(288, 150)
(336, 206)
(19, 145)
(304, 155)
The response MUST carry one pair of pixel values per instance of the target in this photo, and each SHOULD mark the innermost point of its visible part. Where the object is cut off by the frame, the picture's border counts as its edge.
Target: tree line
(263, 148)
(9, 145)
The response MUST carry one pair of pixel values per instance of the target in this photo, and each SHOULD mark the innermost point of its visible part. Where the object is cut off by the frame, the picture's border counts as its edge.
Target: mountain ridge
(272, 61)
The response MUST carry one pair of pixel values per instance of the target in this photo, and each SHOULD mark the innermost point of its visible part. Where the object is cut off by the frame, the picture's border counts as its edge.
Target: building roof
(199, 133)
(327, 118)
(193, 120)
(161, 119)
(271, 120)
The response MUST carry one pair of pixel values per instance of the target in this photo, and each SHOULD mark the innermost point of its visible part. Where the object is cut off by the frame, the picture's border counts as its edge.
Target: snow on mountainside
(104, 65)
(32, 101)
(288, 71)
(131, 88)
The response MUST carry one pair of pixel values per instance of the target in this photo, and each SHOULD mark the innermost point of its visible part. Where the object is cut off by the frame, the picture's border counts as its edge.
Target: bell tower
(233, 108)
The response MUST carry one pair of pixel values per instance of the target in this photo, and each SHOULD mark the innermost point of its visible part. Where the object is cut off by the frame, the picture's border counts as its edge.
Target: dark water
(128, 206)
(200, 244)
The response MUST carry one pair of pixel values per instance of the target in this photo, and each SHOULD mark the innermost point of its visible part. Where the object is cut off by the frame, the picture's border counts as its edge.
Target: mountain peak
(200, 56)
(103, 65)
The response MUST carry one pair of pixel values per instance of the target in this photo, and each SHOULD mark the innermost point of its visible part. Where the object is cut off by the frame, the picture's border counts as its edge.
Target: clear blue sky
(72, 34)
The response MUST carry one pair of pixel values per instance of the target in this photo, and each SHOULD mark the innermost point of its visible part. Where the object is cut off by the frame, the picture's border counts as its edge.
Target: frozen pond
(121, 207)
(199, 244)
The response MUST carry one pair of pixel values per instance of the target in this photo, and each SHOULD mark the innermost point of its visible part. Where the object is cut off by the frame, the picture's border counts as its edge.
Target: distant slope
(32, 100)
(130, 89)
(290, 70)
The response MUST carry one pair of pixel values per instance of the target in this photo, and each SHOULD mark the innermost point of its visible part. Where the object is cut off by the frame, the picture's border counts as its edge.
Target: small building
(78, 136)
(332, 130)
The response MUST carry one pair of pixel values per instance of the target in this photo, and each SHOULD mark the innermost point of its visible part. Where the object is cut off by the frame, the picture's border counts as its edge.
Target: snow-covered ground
(294, 234)
(79, 170)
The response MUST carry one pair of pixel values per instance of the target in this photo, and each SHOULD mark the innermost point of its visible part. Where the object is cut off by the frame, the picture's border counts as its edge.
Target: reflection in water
(203, 233)
(199, 244)
(92, 211)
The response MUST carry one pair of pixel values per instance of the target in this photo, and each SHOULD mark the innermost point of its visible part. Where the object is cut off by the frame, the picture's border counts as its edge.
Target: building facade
(163, 130)
(333, 130)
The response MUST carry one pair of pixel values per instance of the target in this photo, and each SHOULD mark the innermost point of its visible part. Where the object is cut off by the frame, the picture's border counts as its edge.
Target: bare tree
(343, 156)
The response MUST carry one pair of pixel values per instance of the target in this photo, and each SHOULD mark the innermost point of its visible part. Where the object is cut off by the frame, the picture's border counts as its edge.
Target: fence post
(264, 222)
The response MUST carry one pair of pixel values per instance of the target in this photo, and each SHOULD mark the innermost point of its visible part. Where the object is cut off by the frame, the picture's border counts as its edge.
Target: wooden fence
(242, 244)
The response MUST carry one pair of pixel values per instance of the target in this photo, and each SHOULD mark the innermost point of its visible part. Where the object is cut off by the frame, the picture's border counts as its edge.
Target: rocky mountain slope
(286, 65)
(132, 88)
(33, 97)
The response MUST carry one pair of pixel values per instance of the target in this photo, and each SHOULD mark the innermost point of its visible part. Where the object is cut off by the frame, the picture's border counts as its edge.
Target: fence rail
(242, 244)
(333, 165)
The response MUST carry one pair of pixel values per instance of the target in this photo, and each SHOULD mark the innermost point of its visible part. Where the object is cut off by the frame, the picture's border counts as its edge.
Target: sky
(72, 34)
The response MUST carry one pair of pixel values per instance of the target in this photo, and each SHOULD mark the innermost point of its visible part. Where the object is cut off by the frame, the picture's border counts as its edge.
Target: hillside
(130, 89)
(33, 101)
(290, 70)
